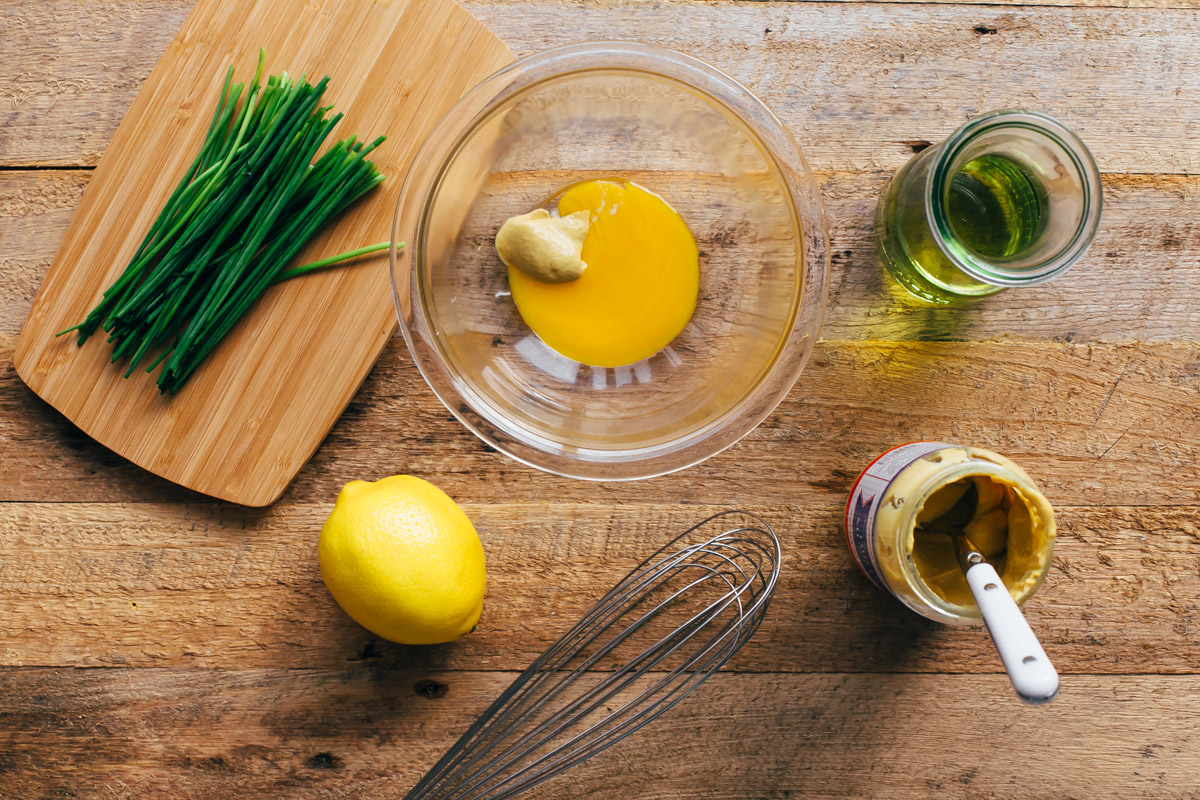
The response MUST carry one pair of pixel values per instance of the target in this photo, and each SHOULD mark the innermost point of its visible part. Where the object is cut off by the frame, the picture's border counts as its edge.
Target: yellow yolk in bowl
(638, 291)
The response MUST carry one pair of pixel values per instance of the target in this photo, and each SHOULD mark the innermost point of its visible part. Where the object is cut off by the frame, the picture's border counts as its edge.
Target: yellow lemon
(402, 559)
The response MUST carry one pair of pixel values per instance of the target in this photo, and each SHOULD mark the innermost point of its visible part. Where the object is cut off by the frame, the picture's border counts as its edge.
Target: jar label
(866, 495)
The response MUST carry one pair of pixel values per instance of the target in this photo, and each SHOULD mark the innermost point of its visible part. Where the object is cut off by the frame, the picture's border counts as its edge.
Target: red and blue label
(866, 495)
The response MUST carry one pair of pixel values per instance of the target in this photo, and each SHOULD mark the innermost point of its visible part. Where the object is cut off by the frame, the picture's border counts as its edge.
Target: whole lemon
(402, 559)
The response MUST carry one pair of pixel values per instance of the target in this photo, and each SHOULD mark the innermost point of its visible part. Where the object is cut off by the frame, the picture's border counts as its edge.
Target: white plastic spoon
(1027, 665)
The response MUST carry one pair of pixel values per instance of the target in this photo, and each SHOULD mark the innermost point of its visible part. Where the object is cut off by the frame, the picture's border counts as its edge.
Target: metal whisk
(648, 643)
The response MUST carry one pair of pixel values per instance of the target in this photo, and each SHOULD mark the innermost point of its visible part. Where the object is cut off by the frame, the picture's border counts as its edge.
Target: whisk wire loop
(610, 686)
(647, 644)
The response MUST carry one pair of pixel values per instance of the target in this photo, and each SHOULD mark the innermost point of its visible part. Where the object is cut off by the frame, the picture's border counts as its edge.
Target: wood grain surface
(226, 594)
(365, 731)
(155, 643)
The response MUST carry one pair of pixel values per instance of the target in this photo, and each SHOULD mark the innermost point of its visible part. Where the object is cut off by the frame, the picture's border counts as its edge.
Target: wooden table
(155, 643)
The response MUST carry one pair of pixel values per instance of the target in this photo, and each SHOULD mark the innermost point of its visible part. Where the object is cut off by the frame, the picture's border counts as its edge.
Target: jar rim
(908, 567)
(941, 173)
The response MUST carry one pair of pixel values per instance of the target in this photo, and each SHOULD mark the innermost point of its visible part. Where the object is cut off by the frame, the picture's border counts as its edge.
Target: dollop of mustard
(545, 248)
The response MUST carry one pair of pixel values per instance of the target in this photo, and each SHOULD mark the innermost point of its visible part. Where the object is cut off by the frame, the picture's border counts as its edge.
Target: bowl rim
(760, 399)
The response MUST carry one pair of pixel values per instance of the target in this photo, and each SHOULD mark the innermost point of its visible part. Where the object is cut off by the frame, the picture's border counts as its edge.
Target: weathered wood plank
(35, 208)
(1140, 281)
(1094, 424)
(365, 732)
(855, 82)
(215, 586)
(71, 70)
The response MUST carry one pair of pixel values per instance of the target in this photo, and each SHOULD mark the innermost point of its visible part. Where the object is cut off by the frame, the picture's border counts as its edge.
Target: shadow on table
(832, 716)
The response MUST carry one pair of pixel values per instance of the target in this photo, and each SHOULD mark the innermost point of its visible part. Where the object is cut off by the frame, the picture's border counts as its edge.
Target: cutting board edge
(251, 500)
(180, 481)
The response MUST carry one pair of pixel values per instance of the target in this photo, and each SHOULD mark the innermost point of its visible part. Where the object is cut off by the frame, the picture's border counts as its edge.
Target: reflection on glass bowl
(683, 130)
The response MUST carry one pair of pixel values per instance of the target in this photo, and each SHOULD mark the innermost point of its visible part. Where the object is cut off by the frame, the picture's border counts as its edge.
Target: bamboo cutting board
(255, 412)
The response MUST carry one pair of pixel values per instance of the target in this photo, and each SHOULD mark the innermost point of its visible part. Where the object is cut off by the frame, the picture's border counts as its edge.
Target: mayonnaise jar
(915, 483)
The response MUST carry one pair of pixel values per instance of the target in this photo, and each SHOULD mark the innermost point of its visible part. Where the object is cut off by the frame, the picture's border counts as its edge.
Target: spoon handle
(1028, 666)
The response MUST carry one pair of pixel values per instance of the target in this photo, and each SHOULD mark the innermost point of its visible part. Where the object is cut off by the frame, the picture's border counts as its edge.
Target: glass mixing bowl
(687, 132)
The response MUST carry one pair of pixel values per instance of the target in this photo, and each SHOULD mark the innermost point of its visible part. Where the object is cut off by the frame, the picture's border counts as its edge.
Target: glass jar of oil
(1012, 198)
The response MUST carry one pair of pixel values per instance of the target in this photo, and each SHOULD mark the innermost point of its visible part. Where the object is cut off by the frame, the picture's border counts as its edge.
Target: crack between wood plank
(1032, 7)
(600, 504)
(53, 167)
(47, 168)
(515, 672)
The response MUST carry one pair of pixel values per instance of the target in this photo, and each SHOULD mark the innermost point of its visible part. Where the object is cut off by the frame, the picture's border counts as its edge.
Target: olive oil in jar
(1012, 198)
(996, 208)
(993, 208)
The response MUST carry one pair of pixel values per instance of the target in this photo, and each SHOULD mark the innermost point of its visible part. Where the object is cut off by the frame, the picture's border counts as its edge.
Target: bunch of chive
(247, 205)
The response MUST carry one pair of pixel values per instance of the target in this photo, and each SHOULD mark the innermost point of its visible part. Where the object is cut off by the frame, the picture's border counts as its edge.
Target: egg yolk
(638, 291)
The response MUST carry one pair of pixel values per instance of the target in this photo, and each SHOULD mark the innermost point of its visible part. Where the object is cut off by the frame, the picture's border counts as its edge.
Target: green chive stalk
(249, 202)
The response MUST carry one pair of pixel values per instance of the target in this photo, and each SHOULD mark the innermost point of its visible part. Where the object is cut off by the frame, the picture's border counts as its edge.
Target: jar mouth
(1044, 146)
(950, 611)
